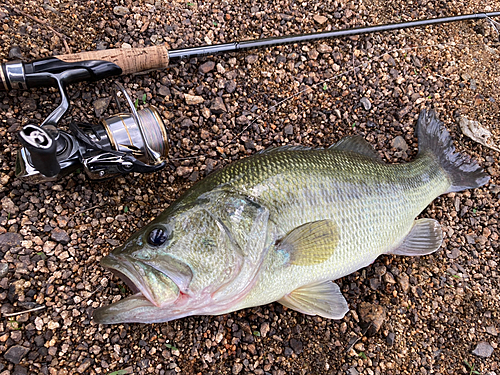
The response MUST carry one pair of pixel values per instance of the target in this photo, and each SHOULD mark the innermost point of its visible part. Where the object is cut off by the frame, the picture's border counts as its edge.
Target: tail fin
(433, 137)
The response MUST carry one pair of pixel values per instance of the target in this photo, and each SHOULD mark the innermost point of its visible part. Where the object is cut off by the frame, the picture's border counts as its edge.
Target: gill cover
(245, 223)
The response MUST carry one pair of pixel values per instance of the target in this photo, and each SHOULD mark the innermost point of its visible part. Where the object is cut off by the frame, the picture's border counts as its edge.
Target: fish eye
(158, 236)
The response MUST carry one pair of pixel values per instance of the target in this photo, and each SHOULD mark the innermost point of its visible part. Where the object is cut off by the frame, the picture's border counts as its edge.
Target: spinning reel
(135, 141)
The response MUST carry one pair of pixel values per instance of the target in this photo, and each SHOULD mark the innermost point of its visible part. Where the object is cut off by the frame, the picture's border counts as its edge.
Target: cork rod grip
(130, 60)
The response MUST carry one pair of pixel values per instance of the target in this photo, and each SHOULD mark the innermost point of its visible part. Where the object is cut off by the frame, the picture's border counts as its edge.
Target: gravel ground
(433, 315)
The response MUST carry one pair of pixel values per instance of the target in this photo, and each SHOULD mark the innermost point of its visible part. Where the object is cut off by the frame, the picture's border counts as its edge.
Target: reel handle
(42, 148)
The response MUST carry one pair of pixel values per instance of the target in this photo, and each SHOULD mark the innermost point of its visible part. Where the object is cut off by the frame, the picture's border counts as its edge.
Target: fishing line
(494, 24)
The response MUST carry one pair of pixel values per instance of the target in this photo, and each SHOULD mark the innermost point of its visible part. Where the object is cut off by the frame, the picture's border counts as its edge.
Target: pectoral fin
(309, 244)
(425, 237)
(323, 299)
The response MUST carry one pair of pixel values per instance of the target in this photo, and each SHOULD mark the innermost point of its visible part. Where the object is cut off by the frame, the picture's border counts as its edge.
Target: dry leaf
(476, 132)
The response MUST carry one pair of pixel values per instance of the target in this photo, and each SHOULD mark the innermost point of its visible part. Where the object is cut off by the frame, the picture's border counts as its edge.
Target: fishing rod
(136, 141)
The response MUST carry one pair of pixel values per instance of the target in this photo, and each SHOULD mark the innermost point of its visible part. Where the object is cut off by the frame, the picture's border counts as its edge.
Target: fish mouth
(123, 277)
(153, 290)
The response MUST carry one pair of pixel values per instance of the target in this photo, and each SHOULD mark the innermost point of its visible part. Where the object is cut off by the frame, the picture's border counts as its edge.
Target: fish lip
(118, 312)
(124, 269)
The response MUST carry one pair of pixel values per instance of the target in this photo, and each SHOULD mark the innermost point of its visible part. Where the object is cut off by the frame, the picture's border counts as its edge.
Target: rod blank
(267, 42)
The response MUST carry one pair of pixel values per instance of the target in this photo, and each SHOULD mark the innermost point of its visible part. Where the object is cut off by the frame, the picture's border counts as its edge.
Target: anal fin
(323, 299)
(425, 237)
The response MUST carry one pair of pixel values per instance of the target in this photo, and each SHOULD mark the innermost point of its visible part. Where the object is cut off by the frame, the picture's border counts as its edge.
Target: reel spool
(124, 133)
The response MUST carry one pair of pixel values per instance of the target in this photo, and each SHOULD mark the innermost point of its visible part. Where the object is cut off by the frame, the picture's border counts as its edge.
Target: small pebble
(60, 235)
(164, 91)
(264, 329)
(399, 143)
(186, 123)
(237, 367)
(207, 67)
(20, 370)
(492, 330)
(4, 269)
(220, 69)
(15, 353)
(296, 346)
(101, 45)
(84, 366)
(313, 54)
(389, 278)
(230, 87)
(390, 338)
(389, 59)
(193, 100)
(242, 120)
(324, 48)
(375, 283)
(218, 106)
(372, 315)
(289, 129)
(100, 105)
(29, 105)
(15, 53)
(404, 282)
(380, 270)
(251, 59)
(367, 105)
(10, 239)
(453, 254)
(320, 19)
(120, 10)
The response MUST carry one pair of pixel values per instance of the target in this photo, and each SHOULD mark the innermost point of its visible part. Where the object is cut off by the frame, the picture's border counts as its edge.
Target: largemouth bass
(282, 224)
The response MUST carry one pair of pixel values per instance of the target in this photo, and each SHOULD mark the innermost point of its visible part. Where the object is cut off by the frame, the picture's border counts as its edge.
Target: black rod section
(259, 43)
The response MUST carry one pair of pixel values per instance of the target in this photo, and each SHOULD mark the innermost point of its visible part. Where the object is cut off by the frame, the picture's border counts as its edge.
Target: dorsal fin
(356, 144)
(285, 148)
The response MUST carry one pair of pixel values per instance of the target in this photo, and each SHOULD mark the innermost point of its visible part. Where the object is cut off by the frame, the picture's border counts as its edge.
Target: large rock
(372, 317)
(483, 349)
(218, 106)
(10, 239)
(60, 235)
(16, 353)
